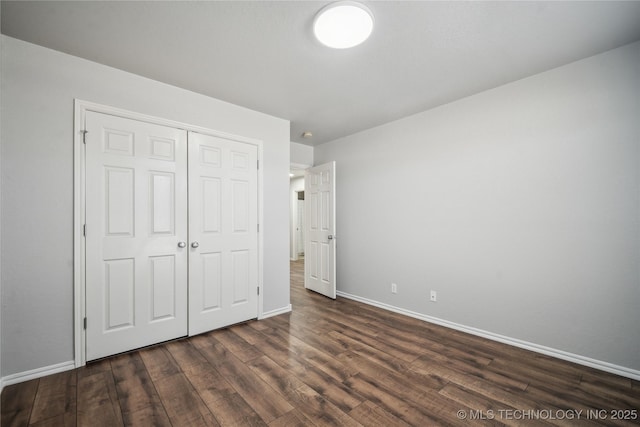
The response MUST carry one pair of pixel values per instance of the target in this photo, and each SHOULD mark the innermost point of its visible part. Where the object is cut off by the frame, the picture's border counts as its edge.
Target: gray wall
(38, 89)
(301, 154)
(520, 206)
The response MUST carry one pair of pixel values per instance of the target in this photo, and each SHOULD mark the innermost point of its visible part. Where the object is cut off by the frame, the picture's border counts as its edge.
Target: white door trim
(79, 202)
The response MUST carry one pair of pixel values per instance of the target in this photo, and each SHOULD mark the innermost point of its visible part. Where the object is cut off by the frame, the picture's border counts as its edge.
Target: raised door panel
(325, 248)
(311, 259)
(119, 142)
(240, 279)
(210, 157)
(312, 201)
(239, 206)
(162, 205)
(163, 287)
(119, 194)
(119, 291)
(239, 160)
(211, 204)
(324, 258)
(325, 206)
(211, 281)
(162, 148)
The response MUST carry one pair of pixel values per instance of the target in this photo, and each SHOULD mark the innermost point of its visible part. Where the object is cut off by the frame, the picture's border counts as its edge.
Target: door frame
(299, 228)
(294, 218)
(293, 211)
(81, 108)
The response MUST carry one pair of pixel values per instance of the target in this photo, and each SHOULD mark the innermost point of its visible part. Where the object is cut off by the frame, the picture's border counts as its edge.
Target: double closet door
(171, 233)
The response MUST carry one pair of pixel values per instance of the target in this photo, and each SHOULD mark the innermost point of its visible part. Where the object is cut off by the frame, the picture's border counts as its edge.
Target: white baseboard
(560, 354)
(37, 373)
(275, 312)
(66, 366)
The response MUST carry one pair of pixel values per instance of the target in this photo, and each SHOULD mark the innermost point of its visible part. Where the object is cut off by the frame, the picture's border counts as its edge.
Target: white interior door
(136, 215)
(223, 230)
(320, 223)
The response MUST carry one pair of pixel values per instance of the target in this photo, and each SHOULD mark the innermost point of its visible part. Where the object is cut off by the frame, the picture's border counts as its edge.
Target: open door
(320, 229)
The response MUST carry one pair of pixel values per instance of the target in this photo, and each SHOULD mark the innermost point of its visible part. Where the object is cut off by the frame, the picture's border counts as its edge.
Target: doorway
(296, 211)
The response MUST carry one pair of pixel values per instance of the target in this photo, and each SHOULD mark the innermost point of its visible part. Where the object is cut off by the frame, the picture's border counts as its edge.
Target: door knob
(195, 245)
(330, 237)
(182, 244)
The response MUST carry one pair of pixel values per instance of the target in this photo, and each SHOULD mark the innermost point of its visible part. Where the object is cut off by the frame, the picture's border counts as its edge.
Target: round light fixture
(343, 24)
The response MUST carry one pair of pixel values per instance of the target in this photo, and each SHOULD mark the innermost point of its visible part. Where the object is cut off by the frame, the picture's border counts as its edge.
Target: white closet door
(223, 221)
(136, 215)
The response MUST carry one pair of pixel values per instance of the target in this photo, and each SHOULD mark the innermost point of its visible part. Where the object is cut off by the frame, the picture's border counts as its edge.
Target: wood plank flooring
(338, 363)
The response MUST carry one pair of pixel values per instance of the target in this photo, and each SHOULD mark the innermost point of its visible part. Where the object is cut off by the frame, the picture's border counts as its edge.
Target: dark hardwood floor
(327, 363)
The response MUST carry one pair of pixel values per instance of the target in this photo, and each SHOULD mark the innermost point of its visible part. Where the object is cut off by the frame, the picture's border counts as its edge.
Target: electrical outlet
(433, 296)
(394, 288)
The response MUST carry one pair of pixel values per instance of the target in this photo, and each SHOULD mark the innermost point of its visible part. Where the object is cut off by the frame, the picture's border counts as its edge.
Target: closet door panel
(223, 221)
(136, 213)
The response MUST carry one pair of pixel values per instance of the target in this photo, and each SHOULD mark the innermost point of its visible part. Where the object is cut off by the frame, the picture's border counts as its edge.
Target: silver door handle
(182, 244)
(330, 237)
(195, 245)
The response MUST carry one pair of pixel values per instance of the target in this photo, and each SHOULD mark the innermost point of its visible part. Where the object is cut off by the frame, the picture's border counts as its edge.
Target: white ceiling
(262, 55)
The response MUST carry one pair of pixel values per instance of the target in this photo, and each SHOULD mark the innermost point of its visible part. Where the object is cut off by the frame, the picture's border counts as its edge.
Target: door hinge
(85, 323)
(84, 136)
(258, 290)
(258, 228)
(84, 230)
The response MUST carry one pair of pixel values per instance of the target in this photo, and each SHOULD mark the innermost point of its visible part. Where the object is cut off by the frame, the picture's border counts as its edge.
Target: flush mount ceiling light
(343, 24)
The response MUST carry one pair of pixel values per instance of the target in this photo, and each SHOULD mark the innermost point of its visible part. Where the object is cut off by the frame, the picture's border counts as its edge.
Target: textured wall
(520, 206)
(38, 90)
